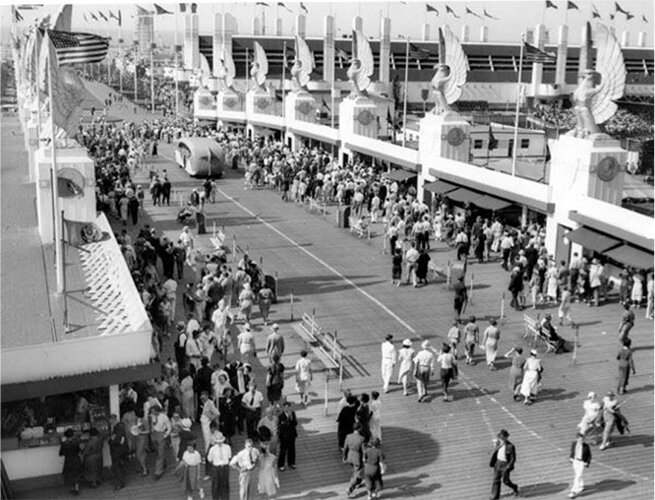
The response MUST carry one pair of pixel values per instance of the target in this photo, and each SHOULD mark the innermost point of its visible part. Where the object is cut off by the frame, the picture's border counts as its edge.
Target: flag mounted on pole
(493, 142)
(429, 8)
(194, 8)
(594, 12)
(571, 6)
(451, 11)
(325, 105)
(486, 14)
(302, 6)
(103, 16)
(280, 4)
(550, 5)
(18, 17)
(85, 18)
(93, 16)
(469, 11)
(536, 55)
(78, 48)
(182, 8)
(140, 11)
(643, 18)
(418, 53)
(159, 11)
(118, 17)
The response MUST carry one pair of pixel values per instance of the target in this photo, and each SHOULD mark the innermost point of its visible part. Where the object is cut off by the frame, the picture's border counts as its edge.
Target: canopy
(400, 175)
(439, 187)
(491, 203)
(463, 195)
(631, 256)
(592, 240)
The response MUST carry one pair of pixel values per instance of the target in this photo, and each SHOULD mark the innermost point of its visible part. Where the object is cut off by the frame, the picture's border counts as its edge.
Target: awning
(491, 203)
(642, 240)
(463, 195)
(400, 175)
(388, 157)
(439, 187)
(592, 240)
(631, 256)
(64, 385)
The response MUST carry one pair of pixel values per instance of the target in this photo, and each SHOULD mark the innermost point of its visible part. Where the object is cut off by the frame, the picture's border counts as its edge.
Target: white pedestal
(444, 136)
(300, 107)
(358, 116)
(259, 102)
(81, 208)
(32, 136)
(594, 167)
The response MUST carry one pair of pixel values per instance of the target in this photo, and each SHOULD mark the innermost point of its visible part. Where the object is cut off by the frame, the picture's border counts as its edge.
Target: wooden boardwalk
(434, 450)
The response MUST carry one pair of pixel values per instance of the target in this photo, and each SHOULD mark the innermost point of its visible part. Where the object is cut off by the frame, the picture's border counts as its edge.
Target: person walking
(246, 344)
(627, 322)
(516, 371)
(274, 343)
(389, 357)
(92, 458)
(626, 364)
(245, 462)
(591, 415)
(564, 310)
(287, 432)
(252, 404)
(190, 468)
(532, 370)
(141, 433)
(503, 460)
(73, 468)
(461, 297)
(160, 430)
(265, 299)
(267, 479)
(471, 339)
(346, 420)
(396, 266)
(275, 380)
(373, 459)
(303, 377)
(490, 340)
(411, 257)
(218, 458)
(353, 450)
(405, 363)
(424, 369)
(375, 422)
(447, 369)
(209, 415)
(118, 450)
(580, 457)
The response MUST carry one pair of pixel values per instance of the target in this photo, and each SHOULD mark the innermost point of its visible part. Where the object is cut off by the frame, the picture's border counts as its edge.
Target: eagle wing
(229, 67)
(457, 62)
(262, 61)
(365, 57)
(304, 56)
(611, 66)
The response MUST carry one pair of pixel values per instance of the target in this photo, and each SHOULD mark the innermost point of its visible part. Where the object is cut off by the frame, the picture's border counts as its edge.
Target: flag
(280, 4)
(594, 12)
(536, 55)
(118, 17)
(140, 11)
(628, 16)
(17, 15)
(451, 11)
(78, 48)
(550, 5)
(429, 8)
(302, 6)
(288, 52)
(85, 18)
(160, 11)
(620, 9)
(93, 16)
(643, 18)
(390, 120)
(486, 14)
(493, 142)
(571, 6)
(325, 104)
(418, 53)
(30, 6)
(103, 16)
(469, 11)
(182, 8)
(612, 17)
(263, 4)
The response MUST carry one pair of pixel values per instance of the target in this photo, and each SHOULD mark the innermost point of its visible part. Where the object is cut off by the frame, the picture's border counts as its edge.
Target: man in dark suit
(287, 434)
(580, 457)
(352, 454)
(502, 460)
(118, 450)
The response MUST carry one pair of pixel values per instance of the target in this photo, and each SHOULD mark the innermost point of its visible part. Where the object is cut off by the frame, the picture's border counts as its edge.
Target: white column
(229, 29)
(641, 40)
(278, 27)
(538, 68)
(217, 40)
(465, 33)
(385, 49)
(562, 51)
(584, 56)
(328, 49)
(301, 25)
(425, 32)
(256, 26)
(114, 403)
(359, 23)
(484, 33)
(625, 39)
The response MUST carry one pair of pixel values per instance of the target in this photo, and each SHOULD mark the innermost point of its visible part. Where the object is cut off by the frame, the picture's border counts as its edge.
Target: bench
(325, 345)
(533, 329)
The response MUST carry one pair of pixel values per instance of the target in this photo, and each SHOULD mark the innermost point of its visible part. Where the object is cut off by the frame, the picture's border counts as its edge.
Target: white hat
(407, 343)
(275, 327)
(218, 437)
(425, 344)
(534, 352)
(591, 395)
(186, 423)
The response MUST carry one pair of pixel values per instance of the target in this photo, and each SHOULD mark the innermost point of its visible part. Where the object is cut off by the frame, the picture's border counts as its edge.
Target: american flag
(78, 48)
(536, 55)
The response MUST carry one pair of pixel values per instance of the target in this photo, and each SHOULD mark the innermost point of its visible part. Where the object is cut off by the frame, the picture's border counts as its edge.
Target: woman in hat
(405, 357)
(531, 376)
(591, 415)
(516, 371)
(190, 468)
(490, 343)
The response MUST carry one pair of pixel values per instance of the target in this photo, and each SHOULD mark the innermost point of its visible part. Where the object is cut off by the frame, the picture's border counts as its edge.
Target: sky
(407, 18)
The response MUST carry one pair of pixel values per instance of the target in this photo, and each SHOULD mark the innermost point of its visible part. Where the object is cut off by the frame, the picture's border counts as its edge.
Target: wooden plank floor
(434, 450)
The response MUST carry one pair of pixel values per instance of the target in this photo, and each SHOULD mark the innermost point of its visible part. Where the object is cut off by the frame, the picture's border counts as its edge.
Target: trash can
(200, 220)
(343, 214)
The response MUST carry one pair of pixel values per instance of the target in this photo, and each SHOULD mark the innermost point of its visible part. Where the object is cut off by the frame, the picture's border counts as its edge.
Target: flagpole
(518, 101)
(120, 55)
(152, 77)
(59, 256)
(175, 73)
(405, 93)
(284, 76)
(108, 64)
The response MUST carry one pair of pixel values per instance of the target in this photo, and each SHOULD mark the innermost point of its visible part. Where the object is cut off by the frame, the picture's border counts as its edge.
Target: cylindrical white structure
(217, 41)
(641, 39)
(229, 29)
(301, 25)
(256, 26)
(585, 57)
(425, 32)
(278, 27)
(191, 42)
(358, 23)
(328, 49)
(385, 49)
(562, 51)
(484, 34)
(465, 33)
(625, 39)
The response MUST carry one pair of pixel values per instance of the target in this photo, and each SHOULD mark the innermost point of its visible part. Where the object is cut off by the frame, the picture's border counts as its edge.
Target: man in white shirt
(389, 357)
(209, 414)
(580, 457)
(424, 366)
(192, 349)
(245, 462)
(252, 403)
(219, 459)
(160, 429)
(411, 257)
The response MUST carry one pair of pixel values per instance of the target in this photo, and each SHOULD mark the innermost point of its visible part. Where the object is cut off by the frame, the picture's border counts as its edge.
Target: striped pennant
(78, 48)
(536, 55)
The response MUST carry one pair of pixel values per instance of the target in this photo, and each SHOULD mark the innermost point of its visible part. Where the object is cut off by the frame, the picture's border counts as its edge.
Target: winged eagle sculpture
(451, 72)
(361, 65)
(303, 65)
(594, 103)
(226, 70)
(259, 67)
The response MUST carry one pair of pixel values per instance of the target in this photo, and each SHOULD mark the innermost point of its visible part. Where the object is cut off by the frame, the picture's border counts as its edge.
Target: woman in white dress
(531, 375)
(637, 290)
(268, 481)
(591, 413)
(552, 282)
(405, 357)
(490, 343)
(376, 416)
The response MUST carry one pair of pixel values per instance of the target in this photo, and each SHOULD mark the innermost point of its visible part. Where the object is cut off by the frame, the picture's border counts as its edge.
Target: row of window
(525, 143)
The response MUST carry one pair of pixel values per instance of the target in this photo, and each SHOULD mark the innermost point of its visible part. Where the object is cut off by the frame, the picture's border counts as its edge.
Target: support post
(327, 387)
(575, 344)
(471, 290)
(502, 308)
(291, 296)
